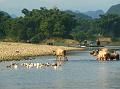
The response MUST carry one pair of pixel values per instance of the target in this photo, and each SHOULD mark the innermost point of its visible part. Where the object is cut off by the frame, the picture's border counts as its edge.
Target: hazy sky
(15, 6)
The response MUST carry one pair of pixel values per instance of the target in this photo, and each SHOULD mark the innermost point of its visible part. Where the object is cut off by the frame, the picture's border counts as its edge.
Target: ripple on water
(82, 71)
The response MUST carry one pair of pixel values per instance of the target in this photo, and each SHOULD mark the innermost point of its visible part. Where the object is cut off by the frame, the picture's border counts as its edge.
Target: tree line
(40, 24)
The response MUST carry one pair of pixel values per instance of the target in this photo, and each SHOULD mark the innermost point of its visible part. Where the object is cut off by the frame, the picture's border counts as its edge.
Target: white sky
(15, 6)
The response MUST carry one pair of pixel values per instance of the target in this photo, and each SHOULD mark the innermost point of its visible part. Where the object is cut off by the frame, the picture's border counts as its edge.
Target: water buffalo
(60, 54)
(105, 54)
(114, 56)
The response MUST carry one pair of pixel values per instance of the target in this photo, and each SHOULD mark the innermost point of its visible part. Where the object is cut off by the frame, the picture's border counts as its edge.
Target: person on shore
(98, 42)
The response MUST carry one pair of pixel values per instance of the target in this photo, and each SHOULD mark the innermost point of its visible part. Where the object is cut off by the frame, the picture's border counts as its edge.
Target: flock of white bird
(60, 58)
(33, 65)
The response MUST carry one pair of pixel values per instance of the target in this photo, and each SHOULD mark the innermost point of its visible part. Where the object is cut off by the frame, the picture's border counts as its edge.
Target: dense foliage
(43, 23)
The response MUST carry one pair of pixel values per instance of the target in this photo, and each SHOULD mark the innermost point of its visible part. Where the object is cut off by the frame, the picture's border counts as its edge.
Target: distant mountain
(78, 14)
(94, 14)
(115, 9)
(13, 16)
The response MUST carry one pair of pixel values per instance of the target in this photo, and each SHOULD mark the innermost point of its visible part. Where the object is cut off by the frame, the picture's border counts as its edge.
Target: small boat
(95, 46)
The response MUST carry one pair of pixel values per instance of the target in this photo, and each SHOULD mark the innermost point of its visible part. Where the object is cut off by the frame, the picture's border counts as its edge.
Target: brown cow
(105, 54)
(60, 54)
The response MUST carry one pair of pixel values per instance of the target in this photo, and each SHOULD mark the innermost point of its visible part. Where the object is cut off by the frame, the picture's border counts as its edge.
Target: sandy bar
(17, 51)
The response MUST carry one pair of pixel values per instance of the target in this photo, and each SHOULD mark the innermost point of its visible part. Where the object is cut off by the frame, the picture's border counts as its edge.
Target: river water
(82, 71)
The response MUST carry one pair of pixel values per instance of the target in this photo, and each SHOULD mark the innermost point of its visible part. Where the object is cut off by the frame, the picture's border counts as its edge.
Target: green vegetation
(110, 25)
(40, 24)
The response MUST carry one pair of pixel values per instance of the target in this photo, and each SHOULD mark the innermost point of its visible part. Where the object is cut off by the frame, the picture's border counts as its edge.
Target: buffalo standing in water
(105, 54)
(60, 54)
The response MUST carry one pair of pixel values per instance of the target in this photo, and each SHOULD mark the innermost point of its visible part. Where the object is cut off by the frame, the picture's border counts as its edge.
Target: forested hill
(40, 24)
(115, 9)
(78, 14)
(95, 14)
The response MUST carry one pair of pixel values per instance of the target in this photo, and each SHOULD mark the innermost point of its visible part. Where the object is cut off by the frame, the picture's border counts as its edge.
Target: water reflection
(81, 72)
(109, 75)
(103, 75)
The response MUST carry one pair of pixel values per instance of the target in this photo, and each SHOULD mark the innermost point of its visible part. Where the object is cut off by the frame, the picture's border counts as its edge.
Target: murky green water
(82, 71)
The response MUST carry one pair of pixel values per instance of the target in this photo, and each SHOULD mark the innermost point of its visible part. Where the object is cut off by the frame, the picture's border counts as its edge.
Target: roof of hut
(105, 39)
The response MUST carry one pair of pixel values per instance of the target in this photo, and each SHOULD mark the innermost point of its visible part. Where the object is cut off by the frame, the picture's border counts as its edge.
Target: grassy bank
(18, 51)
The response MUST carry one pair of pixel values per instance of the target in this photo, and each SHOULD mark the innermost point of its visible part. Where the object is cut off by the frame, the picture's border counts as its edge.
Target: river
(82, 71)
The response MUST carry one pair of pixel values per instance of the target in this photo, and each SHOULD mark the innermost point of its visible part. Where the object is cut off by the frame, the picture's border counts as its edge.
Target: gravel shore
(18, 51)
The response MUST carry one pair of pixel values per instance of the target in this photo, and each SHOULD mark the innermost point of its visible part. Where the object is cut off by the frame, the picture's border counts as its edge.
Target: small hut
(105, 40)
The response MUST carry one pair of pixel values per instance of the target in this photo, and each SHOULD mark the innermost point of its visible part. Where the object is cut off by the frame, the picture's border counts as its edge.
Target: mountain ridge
(78, 14)
(94, 14)
(115, 9)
